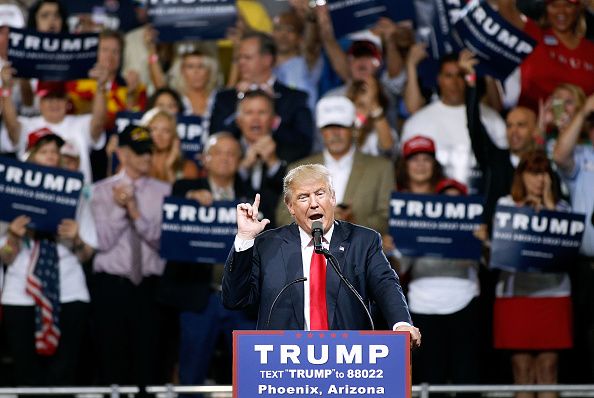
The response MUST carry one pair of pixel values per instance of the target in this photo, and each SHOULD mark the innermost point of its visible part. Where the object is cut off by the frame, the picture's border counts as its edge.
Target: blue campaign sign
(193, 134)
(49, 56)
(329, 363)
(177, 20)
(191, 131)
(46, 194)
(351, 16)
(435, 19)
(436, 225)
(526, 240)
(499, 46)
(198, 234)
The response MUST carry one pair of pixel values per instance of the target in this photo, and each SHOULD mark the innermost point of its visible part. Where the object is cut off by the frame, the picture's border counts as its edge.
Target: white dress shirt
(340, 170)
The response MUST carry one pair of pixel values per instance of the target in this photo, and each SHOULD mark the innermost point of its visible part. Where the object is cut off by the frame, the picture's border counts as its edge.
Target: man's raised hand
(248, 225)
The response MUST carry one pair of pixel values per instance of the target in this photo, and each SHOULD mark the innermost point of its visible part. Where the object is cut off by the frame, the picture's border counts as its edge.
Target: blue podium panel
(321, 363)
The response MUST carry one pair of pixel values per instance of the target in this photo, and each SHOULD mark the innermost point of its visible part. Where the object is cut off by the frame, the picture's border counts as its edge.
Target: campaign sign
(50, 56)
(322, 363)
(46, 194)
(499, 46)
(530, 241)
(197, 234)
(436, 225)
(191, 131)
(435, 20)
(352, 16)
(177, 20)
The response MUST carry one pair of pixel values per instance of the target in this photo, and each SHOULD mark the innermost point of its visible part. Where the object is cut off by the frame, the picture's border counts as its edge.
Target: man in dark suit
(260, 168)
(260, 264)
(256, 59)
(194, 289)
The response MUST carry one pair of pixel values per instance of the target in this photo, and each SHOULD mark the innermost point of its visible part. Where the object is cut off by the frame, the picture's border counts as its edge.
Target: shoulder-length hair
(535, 161)
(403, 179)
(34, 9)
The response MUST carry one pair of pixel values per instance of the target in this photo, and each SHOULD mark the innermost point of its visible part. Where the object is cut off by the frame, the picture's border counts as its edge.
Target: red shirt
(551, 63)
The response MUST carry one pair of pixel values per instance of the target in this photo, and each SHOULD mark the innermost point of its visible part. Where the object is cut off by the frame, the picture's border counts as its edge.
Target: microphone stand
(288, 285)
(334, 263)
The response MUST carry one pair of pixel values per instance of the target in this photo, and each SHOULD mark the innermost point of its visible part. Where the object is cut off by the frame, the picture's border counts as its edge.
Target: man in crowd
(260, 168)
(362, 183)
(256, 60)
(127, 266)
(194, 289)
(444, 121)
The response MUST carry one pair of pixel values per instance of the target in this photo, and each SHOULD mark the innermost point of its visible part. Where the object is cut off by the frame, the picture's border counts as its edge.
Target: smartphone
(558, 108)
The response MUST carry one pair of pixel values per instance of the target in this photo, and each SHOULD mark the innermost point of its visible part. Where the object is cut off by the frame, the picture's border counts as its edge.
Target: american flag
(43, 284)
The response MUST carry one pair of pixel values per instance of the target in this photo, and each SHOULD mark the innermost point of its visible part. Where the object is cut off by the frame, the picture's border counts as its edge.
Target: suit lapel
(355, 177)
(293, 261)
(339, 246)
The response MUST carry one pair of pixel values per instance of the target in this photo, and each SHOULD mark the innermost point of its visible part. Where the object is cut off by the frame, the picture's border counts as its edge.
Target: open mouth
(315, 217)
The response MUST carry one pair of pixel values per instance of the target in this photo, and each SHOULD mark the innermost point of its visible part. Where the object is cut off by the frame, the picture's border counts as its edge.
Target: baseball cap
(365, 48)
(418, 144)
(42, 135)
(70, 149)
(51, 89)
(137, 138)
(569, 1)
(448, 183)
(11, 16)
(335, 111)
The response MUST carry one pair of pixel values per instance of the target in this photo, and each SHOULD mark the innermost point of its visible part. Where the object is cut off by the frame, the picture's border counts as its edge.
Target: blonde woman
(168, 162)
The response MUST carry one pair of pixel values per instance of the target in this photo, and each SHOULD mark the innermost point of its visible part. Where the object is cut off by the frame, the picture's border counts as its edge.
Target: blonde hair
(576, 92)
(304, 172)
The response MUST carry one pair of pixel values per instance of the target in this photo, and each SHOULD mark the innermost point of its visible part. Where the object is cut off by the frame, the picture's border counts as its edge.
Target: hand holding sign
(248, 225)
(18, 227)
(68, 230)
(467, 61)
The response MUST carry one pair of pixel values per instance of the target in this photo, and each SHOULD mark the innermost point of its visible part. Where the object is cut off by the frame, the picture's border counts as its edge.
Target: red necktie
(318, 314)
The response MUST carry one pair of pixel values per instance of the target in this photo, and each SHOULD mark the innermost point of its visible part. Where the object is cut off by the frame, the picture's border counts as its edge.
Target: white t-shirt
(73, 285)
(447, 126)
(74, 128)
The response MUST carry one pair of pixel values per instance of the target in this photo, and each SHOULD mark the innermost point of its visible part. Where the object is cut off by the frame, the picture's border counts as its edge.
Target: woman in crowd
(48, 16)
(168, 163)
(442, 293)
(46, 267)
(562, 53)
(374, 134)
(197, 81)
(166, 99)
(558, 111)
(532, 314)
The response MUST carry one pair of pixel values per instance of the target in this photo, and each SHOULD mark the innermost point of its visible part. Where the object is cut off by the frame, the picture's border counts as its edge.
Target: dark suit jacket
(257, 275)
(294, 136)
(187, 286)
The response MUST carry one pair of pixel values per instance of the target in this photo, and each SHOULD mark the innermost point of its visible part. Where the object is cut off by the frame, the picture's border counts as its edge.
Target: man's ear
(121, 154)
(290, 208)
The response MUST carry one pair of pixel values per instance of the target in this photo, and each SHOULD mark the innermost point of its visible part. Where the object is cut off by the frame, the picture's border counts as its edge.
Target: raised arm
(338, 58)
(567, 140)
(99, 111)
(413, 98)
(9, 112)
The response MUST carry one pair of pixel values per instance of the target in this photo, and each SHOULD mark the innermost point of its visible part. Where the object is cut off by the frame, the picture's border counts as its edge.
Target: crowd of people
(279, 92)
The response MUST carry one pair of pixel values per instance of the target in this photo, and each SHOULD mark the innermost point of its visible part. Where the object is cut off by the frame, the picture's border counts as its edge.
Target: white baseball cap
(11, 15)
(335, 111)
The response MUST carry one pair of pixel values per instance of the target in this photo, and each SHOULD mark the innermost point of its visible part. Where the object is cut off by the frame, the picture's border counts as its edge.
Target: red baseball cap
(44, 134)
(51, 90)
(365, 48)
(418, 144)
(448, 183)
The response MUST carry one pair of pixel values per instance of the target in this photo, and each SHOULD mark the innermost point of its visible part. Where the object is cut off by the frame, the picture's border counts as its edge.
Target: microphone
(288, 285)
(317, 231)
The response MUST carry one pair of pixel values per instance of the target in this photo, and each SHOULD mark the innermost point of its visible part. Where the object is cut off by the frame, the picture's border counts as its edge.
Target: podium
(333, 363)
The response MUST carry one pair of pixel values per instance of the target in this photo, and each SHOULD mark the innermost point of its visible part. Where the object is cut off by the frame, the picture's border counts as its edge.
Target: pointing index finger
(255, 206)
